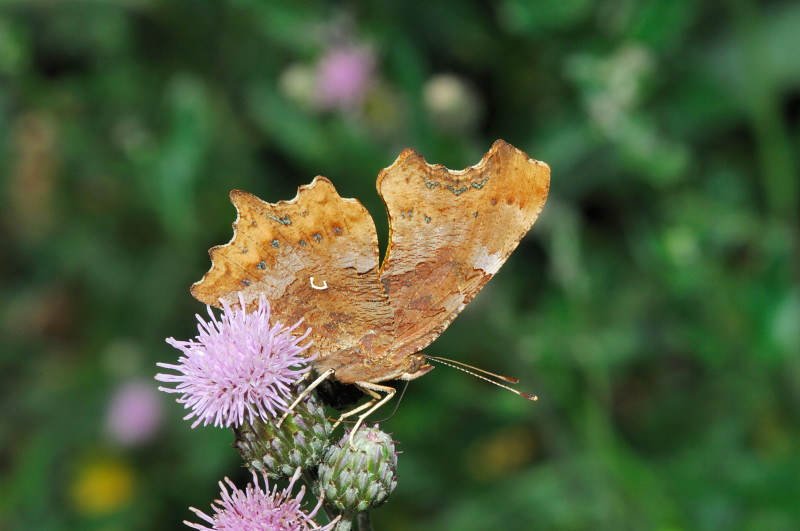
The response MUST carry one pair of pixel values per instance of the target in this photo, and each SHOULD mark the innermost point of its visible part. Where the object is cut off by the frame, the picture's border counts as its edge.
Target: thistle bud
(359, 479)
(300, 441)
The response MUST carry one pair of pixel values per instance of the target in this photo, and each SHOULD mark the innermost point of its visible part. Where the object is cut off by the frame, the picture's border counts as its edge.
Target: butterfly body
(315, 258)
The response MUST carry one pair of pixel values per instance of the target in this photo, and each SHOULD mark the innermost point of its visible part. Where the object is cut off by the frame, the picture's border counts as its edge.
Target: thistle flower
(235, 366)
(300, 441)
(255, 510)
(344, 76)
(359, 479)
(134, 413)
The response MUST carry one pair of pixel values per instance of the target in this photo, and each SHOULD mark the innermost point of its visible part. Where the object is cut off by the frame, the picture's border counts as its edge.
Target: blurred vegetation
(654, 308)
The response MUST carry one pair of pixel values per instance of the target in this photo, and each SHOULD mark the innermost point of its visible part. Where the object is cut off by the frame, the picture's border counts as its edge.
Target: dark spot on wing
(429, 184)
(285, 220)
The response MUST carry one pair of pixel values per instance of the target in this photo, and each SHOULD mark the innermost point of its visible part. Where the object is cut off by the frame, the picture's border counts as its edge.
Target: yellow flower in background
(102, 486)
(502, 452)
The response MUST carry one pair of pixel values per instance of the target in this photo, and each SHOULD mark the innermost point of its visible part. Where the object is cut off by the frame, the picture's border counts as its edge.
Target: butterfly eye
(416, 367)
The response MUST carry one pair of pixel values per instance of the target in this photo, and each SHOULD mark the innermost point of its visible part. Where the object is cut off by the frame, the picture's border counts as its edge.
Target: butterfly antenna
(397, 405)
(508, 379)
(469, 369)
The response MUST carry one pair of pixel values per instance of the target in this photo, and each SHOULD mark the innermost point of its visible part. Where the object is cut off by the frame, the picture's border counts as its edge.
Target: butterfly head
(417, 366)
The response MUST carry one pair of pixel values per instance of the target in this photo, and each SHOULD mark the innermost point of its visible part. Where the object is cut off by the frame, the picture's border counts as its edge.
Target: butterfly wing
(314, 257)
(450, 231)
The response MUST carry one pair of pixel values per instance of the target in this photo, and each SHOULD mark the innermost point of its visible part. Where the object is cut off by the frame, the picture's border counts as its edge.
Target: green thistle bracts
(301, 440)
(361, 479)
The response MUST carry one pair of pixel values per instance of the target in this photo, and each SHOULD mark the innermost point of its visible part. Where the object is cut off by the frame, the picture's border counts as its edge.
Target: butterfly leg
(377, 401)
(374, 398)
(324, 376)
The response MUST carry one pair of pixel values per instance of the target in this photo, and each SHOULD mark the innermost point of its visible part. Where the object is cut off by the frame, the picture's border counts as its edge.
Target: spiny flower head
(254, 509)
(300, 441)
(361, 476)
(237, 365)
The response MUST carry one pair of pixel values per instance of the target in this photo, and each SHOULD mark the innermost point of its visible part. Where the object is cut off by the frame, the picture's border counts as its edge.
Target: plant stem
(364, 521)
(346, 523)
(772, 136)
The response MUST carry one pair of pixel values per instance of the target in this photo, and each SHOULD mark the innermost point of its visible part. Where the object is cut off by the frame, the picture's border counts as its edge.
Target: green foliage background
(654, 308)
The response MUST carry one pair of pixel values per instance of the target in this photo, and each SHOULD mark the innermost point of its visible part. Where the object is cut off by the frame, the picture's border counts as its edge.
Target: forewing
(314, 257)
(450, 231)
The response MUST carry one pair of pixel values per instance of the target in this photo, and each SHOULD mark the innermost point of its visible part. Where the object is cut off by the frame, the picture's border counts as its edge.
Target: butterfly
(316, 258)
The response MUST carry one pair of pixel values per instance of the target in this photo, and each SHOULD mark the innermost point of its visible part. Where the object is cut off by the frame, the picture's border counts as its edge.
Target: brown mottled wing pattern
(450, 231)
(276, 251)
(316, 257)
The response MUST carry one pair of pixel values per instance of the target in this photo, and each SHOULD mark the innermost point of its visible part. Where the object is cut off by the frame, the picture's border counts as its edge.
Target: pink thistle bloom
(134, 413)
(259, 510)
(344, 76)
(236, 365)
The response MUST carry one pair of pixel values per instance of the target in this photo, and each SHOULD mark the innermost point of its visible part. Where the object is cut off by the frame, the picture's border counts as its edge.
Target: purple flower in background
(236, 365)
(254, 509)
(343, 77)
(134, 413)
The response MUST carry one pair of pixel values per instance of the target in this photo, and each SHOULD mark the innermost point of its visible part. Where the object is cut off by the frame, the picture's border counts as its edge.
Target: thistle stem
(346, 523)
(364, 521)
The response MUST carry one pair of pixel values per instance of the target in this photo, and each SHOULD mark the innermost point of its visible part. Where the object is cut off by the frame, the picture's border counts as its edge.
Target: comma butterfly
(316, 257)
